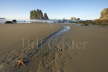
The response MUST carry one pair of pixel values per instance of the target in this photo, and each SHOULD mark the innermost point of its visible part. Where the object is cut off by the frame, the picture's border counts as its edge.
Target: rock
(104, 14)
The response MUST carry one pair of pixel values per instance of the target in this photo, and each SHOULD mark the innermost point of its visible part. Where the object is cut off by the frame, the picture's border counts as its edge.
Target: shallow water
(50, 37)
(64, 29)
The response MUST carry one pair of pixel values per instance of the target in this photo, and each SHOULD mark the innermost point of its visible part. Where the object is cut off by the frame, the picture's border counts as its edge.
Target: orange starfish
(20, 62)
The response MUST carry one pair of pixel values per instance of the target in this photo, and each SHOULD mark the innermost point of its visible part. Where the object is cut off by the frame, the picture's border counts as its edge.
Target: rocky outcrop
(104, 14)
(103, 17)
(38, 14)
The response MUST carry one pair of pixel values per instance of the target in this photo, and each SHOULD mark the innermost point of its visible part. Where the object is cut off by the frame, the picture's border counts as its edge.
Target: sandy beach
(12, 37)
(81, 49)
(88, 49)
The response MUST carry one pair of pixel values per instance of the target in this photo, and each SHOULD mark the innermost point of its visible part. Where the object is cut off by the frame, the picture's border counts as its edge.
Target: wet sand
(81, 49)
(85, 49)
(14, 40)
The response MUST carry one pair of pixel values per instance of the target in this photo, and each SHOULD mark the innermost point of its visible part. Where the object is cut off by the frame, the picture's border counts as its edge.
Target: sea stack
(104, 14)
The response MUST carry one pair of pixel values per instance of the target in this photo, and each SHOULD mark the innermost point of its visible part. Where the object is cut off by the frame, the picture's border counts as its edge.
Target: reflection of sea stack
(104, 14)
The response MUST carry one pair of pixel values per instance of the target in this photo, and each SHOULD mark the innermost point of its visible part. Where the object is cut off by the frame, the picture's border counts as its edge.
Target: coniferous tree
(38, 14)
(33, 14)
(46, 16)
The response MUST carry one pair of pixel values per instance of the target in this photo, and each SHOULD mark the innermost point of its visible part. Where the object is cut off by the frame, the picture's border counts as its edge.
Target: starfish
(21, 62)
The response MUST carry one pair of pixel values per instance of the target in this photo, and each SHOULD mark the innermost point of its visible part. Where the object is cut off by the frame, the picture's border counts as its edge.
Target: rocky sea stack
(103, 20)
(104, 14)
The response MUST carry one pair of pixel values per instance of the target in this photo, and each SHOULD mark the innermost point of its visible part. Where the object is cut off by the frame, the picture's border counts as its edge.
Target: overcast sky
(84, 9)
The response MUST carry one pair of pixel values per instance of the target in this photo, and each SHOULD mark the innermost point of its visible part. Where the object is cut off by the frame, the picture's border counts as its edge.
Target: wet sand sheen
(88, 48)
(81, 49)
(11, 37)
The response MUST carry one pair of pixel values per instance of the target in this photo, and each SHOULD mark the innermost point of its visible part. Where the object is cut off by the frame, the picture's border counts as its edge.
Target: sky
(56, 9)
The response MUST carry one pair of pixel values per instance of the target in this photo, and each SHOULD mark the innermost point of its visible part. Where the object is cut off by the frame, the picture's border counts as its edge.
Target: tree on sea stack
(33, 14)
(38, 14)
(46, 16)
